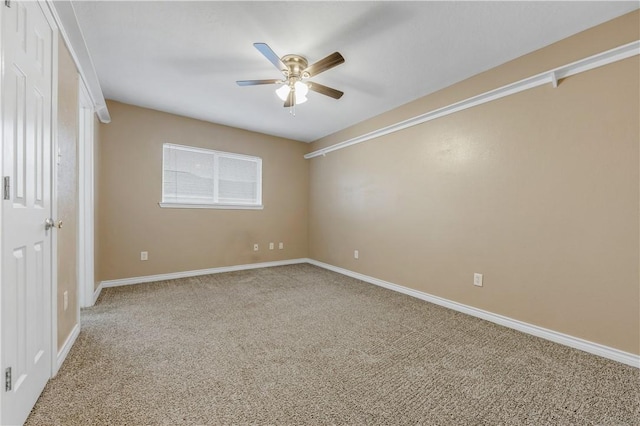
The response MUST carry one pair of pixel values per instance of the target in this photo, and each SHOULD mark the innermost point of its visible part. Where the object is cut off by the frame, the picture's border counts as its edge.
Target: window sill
(209, 206)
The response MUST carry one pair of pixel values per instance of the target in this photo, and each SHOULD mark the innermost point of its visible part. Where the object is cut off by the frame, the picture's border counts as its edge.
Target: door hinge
(7, 3)
(7, 379)
(7, 188)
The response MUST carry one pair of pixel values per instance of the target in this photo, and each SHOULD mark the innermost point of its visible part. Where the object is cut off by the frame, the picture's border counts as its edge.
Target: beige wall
(130, 185)
(67, 191)
(538, 191)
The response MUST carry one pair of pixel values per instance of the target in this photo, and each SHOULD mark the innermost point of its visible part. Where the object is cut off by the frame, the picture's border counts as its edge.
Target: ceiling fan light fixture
(300, 99)
(301, 91)
(283, 92)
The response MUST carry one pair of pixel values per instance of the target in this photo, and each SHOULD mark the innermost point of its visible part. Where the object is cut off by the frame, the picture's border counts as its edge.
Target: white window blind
(205, 178)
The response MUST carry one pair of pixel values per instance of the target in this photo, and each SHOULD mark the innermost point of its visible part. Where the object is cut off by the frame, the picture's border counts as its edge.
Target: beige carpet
(302, 345)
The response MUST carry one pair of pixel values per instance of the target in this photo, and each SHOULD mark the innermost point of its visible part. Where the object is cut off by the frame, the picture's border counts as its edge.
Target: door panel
(26, 246)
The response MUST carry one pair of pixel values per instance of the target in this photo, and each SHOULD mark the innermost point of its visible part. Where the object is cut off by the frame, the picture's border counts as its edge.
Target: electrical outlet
(255, 247)
(280, 246)
(144, 255)
(477, 280)
(356, 254)
(65, 300)
(270, 246)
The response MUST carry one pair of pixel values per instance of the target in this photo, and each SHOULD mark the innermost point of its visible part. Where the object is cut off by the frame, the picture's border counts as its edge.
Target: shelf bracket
(554, 79)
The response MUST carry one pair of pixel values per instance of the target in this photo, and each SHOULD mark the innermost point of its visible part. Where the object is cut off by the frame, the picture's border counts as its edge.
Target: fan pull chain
(292, 110)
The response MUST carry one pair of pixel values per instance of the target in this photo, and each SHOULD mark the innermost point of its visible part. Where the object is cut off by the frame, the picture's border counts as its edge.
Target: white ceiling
(184, 57)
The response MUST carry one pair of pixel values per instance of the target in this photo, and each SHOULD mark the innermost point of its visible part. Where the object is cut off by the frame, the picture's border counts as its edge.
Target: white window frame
(214, 205)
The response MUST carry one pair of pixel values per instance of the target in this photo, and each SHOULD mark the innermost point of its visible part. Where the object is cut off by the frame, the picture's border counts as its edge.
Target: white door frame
(1, 173)
(54, 185)
(86, 278)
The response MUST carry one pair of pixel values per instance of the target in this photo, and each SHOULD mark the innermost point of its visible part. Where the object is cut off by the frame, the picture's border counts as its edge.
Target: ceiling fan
(296, 71)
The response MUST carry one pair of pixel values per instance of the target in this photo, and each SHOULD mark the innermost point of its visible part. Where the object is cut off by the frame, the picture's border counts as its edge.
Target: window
(202, 178)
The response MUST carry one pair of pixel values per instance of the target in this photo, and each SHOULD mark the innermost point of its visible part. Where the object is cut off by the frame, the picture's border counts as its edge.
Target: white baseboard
(554, 336)
(64, 350)
(185, 274)
(96, 294)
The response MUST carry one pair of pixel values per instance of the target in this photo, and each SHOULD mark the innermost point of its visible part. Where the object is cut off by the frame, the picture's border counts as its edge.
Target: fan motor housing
(295, 65)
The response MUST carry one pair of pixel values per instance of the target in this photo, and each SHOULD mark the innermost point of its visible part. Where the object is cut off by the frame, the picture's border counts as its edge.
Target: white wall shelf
(552, 76)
